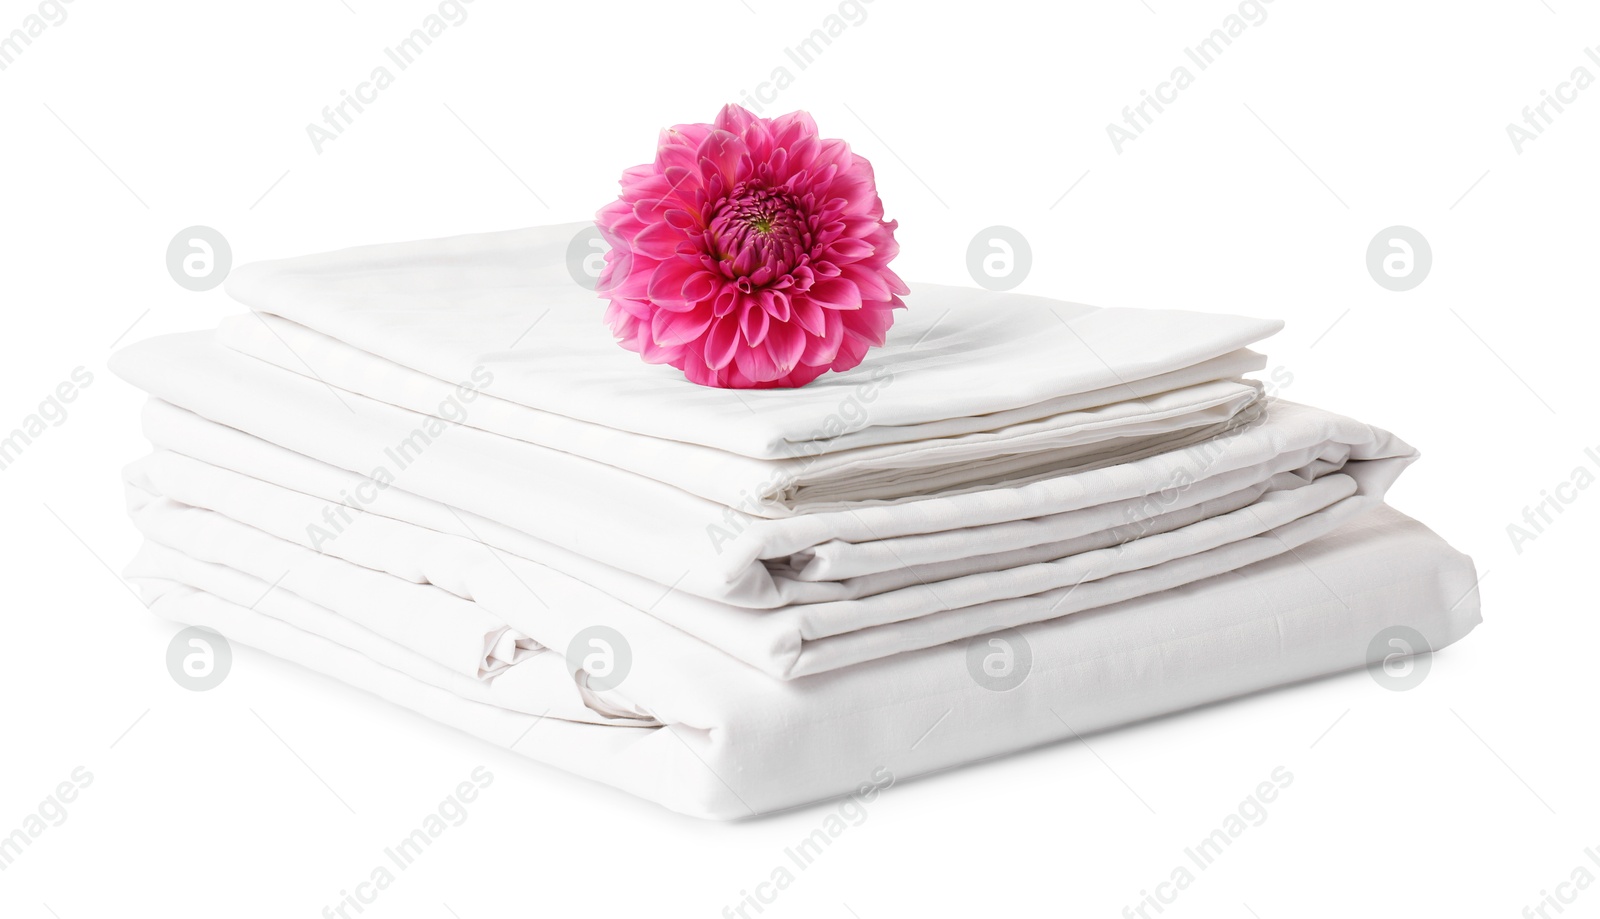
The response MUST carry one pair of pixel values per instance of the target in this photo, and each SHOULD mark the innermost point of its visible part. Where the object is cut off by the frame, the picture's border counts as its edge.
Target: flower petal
(785, 342)
(836, 294)
(754, 321)
(658, 241)
(677, 329)
(721, 342)
(821, 349)
(734, 118)
(776, 304)
(680, 219)
(808, 315)
(871, 282)
(723, 154)
(850, 249)
(667, 282)
(756, 364)
(699, 286)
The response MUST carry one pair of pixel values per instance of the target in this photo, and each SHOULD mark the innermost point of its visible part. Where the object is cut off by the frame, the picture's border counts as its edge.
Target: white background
(1257, 191)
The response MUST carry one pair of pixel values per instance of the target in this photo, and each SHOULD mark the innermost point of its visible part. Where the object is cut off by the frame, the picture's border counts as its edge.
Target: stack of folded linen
(427, 469)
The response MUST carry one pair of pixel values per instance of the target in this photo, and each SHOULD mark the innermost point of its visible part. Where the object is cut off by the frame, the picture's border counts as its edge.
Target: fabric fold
(672, 538)
(507, 302)
(426, 470)
(728, 742)
(1179, 408)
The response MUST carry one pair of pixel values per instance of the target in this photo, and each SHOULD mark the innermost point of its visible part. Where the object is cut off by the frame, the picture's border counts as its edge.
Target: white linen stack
(427, 470)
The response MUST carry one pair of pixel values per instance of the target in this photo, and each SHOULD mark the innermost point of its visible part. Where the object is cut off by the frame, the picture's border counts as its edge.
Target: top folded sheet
(958, 361)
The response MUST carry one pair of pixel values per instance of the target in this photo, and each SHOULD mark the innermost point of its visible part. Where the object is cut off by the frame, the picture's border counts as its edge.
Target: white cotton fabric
(707, 736)
(1171, 410)
(425, 469)
(959, 361)
(796, 595)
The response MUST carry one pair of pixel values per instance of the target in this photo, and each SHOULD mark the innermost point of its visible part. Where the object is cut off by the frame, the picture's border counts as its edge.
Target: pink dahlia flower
(751, 254)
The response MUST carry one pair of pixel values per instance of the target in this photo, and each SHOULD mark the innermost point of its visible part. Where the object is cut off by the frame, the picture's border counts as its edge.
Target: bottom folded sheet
(701, 733)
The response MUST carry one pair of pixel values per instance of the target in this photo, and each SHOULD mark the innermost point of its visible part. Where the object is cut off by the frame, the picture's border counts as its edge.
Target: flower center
(759, 228)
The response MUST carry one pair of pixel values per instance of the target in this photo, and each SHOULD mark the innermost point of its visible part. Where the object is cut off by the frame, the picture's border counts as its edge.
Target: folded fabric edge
(1289, 644)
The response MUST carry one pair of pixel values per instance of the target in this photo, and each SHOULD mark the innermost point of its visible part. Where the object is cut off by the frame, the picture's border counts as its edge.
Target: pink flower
(751, 254)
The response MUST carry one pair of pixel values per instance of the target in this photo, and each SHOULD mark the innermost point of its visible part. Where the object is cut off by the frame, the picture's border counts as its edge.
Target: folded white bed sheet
(821, 572)
(1087, 430)
(426, 469)
(742, 743)
(333, 511)
(959, 362)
